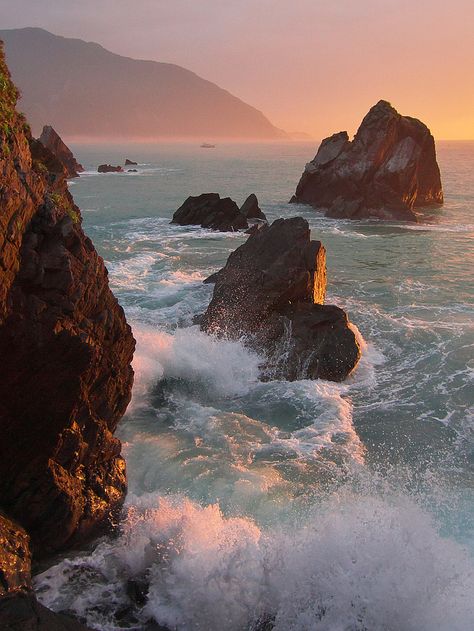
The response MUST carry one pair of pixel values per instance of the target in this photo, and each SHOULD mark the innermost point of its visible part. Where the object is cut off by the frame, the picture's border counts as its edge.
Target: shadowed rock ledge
(271, 292)
(65, 348)
(387, 171)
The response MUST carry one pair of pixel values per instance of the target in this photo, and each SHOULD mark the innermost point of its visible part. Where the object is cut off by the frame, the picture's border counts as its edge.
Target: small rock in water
(251, 210)
(130, 162)
(210, 211)
(108, 168)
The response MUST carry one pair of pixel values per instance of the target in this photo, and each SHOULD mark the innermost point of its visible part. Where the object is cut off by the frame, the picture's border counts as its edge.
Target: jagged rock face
(65, 348)
(15, 557)
(210, 211)
(251, 210)
(51, 140)
(19, 609)
(271, 292)
(387, 171)
(108, 168)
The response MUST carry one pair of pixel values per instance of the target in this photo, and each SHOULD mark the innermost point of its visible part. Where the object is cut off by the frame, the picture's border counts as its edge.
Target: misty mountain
(82, 89)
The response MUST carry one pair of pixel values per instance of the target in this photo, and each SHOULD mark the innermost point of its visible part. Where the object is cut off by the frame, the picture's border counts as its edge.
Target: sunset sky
(309, 65)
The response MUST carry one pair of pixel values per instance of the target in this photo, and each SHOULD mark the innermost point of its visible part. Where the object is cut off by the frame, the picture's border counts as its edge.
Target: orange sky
(309, 65)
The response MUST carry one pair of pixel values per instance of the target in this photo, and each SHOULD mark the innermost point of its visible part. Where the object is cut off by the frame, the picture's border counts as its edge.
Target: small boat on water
(206, 145)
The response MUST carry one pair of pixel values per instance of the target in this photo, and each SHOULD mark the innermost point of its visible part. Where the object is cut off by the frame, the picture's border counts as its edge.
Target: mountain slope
(83, 89)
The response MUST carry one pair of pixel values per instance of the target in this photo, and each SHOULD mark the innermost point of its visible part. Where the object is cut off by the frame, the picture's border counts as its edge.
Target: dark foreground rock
(271, 292)
(108, 168)
(65, 348)
(51, 140)
(387, 171)
(22, 612)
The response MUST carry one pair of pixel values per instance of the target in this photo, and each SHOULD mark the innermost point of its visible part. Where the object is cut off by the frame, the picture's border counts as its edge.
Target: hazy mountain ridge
(82, 89)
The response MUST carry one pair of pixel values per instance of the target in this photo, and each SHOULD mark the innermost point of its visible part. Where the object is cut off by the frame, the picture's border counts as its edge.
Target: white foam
(224, 367)
(356, 561)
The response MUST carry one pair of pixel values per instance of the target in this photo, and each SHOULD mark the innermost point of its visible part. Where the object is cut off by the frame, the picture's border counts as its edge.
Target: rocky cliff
(271, 293)
(51, 140)
(65, 348)
(387, 171)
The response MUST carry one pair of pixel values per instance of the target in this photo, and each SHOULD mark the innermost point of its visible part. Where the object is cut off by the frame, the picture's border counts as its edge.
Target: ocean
(297, 506)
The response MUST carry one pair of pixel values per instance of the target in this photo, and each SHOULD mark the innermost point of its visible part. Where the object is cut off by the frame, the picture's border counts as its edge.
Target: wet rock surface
(386, 172)
(271, 292)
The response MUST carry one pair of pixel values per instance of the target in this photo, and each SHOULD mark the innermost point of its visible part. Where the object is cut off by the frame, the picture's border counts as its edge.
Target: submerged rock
(108, 168)
(210, 211)
(387, 171)
(272, 291)
(66, 351)
(51, 140)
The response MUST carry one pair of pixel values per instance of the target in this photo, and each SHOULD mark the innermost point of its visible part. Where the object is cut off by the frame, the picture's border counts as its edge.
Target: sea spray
(366, 557)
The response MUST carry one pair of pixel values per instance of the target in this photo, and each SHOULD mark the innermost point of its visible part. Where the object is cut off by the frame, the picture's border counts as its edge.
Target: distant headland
(84, 90)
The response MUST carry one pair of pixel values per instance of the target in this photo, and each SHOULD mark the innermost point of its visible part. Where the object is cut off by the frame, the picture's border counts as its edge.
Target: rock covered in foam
(66, 352)
(387, 171)
(51, 140)
(272, 289)
(209, 210)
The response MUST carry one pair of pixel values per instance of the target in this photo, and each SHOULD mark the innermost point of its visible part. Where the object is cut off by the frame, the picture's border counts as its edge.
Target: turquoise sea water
(316, 505)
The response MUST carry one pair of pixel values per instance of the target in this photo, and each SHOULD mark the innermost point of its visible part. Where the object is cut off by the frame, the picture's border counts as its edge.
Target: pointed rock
(251, 210)
(387, 171)
(51, 140)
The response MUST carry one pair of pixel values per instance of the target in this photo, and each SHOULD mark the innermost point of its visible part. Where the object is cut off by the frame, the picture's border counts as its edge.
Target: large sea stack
(387, 171)
(271, 292)
(65, 348)
(51, 140)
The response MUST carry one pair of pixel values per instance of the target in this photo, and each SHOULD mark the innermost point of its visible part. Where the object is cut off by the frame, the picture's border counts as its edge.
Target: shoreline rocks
(271, 292)
(209, 210)
(52, 141)
(386, 172)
